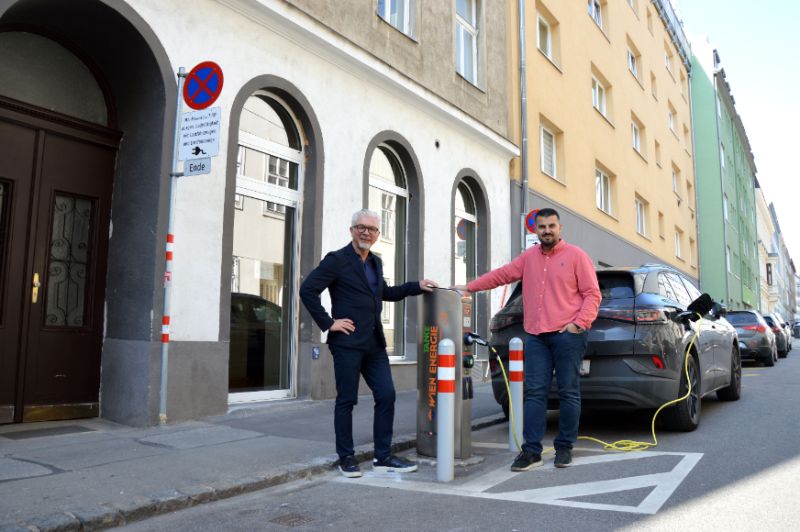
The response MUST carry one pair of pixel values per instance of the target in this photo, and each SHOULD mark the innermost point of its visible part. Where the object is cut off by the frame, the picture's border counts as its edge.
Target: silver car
(756, 339)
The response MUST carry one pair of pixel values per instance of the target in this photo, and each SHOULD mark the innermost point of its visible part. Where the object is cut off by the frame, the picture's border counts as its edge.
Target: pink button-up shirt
(559, 287)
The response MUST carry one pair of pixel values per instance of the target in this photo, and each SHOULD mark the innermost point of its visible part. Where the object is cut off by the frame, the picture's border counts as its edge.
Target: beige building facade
(609, 131)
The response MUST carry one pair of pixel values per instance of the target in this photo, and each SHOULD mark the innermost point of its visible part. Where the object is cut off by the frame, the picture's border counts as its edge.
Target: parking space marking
(663, 484)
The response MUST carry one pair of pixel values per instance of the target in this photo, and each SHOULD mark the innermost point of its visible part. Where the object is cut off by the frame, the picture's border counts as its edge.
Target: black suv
(635, 352)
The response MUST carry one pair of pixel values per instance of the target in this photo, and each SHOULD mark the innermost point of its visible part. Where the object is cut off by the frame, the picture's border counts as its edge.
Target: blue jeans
(543, 352)
(348, 366)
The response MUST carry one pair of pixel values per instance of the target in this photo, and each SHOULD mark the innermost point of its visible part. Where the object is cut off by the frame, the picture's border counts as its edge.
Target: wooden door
(56, 176)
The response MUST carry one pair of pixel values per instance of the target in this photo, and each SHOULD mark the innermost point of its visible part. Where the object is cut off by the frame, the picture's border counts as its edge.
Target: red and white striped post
(445, 410)
(516, 376)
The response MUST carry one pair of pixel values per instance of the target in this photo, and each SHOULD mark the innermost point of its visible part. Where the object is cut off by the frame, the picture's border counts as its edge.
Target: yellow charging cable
(619, 445)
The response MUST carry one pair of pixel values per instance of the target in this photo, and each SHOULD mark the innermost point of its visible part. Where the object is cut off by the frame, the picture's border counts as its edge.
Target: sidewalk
(89, 474)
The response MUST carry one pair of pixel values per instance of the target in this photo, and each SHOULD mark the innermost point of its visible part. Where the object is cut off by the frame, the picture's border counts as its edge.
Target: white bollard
(516, 377)
(445, 411)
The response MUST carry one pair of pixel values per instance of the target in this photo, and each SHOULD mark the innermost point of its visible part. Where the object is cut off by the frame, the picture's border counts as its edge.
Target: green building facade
(725, 186)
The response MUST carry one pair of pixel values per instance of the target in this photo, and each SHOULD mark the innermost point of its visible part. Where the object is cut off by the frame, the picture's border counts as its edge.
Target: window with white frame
(598, 96)
(675, 179)
(548, 150)
(722, 156)
(725, 206)
(633, 64)
(641, 216)
(636, 137)
(671, 119)
(728, 258)
(602, 189)
(667, 61)
(678, 237)
(399, 13)
(467, 39)
(596, 12)
(545, 38)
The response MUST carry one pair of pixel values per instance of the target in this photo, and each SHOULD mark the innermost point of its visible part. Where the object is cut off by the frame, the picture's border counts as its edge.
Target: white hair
(363, 212)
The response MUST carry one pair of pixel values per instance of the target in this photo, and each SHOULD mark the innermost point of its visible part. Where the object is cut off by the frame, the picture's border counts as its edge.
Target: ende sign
(197, 166)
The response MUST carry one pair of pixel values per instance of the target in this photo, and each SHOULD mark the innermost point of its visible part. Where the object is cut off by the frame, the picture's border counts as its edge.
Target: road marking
(663, 484)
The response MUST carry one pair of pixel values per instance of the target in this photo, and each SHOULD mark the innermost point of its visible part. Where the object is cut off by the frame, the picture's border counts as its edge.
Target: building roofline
(675, 30)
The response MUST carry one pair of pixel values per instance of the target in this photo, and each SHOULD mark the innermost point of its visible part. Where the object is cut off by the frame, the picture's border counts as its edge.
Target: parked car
(756, 339)
(635, 351)
(781, 338)
(255, 343)
(796, 329)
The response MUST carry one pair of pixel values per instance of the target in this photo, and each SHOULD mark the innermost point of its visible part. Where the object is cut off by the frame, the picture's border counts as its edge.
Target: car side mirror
(718, 310)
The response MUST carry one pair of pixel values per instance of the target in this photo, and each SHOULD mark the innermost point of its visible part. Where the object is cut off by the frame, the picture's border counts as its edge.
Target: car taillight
(657, 362)
(776, 329)
(757, 328)
(644, 316)
(502, 321)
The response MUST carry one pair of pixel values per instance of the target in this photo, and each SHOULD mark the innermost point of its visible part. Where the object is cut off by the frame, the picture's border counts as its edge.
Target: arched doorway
(265, 253)
(74, 97)
(388, 196)
(56, 177)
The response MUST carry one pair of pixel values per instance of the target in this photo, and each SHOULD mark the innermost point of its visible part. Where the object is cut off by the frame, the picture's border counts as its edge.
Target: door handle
(35, 289)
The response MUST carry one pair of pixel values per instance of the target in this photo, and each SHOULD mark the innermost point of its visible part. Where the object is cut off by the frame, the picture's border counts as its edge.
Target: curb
(103, 516)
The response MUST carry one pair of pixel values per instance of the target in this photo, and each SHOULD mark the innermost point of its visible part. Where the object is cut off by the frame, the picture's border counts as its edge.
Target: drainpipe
(523, 120)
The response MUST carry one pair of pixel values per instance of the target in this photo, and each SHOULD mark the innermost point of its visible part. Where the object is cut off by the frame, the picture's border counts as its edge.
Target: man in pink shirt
(560, 297)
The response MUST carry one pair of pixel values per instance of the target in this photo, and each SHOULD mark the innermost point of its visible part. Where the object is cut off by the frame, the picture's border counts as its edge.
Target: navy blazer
(342, 273)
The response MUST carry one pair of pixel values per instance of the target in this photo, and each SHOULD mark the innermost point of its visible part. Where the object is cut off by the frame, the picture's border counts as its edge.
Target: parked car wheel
(769, 362)
(685, 416)
(734, 390)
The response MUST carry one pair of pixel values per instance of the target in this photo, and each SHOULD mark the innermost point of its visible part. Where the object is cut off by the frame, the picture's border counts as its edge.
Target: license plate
(585, 367)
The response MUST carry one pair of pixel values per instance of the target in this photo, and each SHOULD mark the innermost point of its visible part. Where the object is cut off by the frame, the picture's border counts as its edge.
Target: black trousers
(348, 365)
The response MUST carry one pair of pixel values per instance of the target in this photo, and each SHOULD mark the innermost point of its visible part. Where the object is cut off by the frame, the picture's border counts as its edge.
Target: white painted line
(663, 484)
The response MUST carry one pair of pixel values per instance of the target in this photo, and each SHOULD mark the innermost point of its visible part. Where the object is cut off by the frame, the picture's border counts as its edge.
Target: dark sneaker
(394, 464)
(526, 460)
(563, 458)
(349, 467)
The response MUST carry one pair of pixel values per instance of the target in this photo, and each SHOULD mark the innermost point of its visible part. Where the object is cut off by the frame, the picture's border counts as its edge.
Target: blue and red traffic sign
(203, 85)
(530, 220)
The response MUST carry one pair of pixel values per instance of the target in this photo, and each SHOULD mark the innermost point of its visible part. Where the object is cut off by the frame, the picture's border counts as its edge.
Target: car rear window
(615, 285)
(741, 318)
(769, 320)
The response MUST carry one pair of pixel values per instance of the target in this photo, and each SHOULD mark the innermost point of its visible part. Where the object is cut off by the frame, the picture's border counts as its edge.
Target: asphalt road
(739, 471)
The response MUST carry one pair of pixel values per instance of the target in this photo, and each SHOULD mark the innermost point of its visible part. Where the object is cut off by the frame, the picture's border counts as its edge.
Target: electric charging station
(445, 314)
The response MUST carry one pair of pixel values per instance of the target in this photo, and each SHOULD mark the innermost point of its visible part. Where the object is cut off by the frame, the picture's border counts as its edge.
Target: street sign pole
(165, 320)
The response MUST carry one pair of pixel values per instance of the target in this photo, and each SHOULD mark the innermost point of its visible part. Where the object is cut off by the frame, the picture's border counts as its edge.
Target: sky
(758, 44)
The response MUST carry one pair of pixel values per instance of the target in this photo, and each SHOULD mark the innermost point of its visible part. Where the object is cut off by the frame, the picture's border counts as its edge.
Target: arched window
(266, 237)
(388, 196)
(466, 240)
(470, 239)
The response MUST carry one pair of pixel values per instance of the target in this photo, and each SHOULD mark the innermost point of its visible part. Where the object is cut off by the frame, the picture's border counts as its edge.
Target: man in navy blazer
(354, 278)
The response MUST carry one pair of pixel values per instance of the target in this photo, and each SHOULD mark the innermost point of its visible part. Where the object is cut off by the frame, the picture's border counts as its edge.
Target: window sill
(637, 152)
(554, 178)
(669, 71)
(400, 360)
(550, 60)
(398, 30)
(610, 123)
(634, 76)
(644, 236)
(674, 134)
(599, 27)
(472, 83)
(680, 259)
(607, 214)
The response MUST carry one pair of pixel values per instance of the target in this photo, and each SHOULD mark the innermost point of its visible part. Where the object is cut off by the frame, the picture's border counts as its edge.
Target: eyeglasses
(366, 229)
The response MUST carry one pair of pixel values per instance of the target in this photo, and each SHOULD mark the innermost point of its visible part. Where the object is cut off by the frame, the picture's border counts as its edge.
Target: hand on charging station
(461, 288)
(427, 285)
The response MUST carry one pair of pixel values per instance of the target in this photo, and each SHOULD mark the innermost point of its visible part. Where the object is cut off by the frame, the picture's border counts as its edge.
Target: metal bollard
(516, 376)
(445, 411)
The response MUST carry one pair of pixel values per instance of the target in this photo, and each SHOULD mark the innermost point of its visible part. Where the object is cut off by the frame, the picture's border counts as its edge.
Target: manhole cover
(291, 520)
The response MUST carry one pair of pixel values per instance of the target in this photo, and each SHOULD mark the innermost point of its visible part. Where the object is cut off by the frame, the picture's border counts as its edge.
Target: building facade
(726, 196)
(784, 272)
(767, 255)
(326, 108)
(609, 129)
